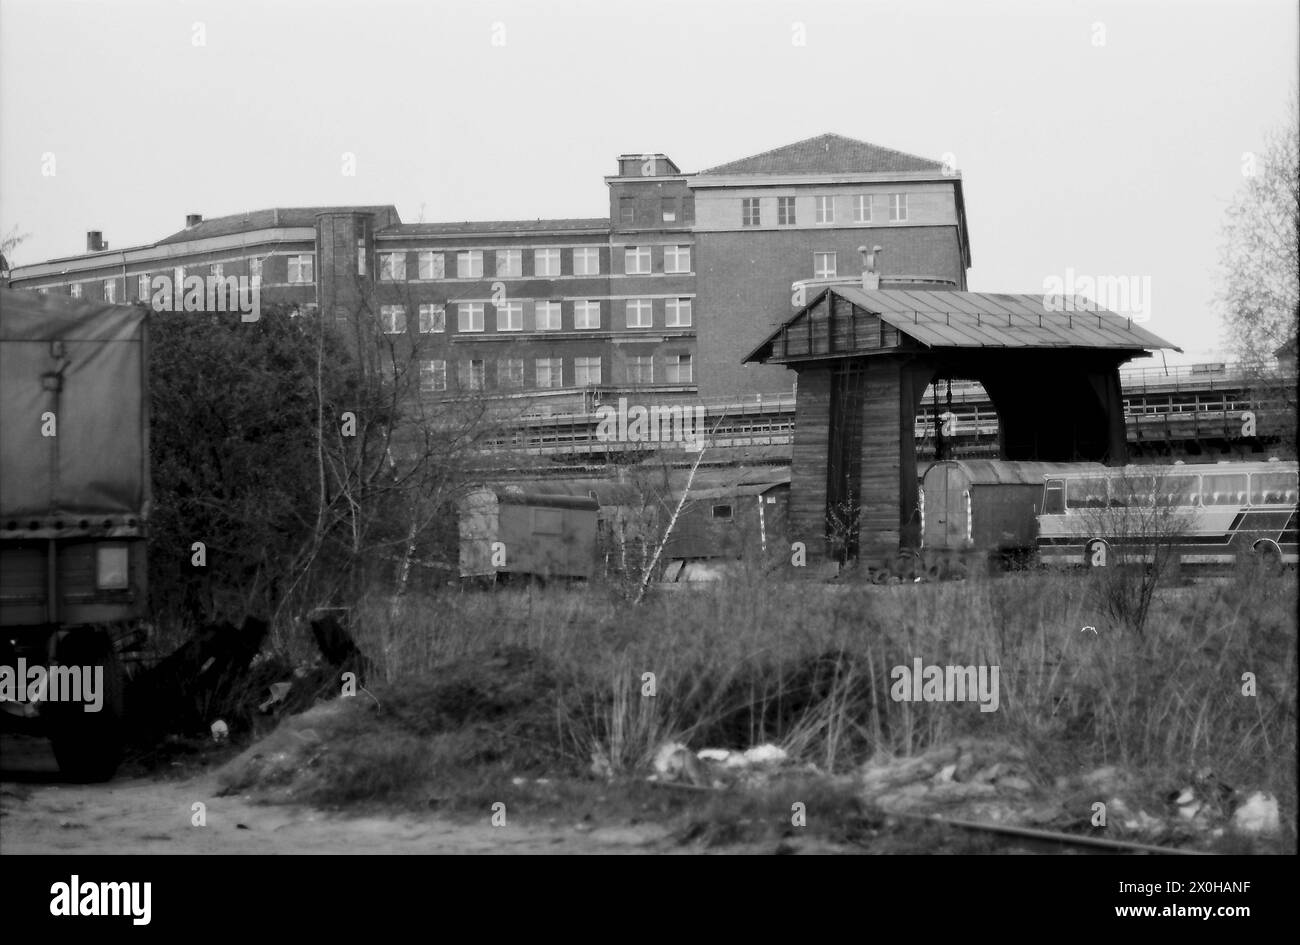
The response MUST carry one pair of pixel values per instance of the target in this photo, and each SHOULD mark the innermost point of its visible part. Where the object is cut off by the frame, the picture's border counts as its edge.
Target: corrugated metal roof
(952, 319)
(980, 319)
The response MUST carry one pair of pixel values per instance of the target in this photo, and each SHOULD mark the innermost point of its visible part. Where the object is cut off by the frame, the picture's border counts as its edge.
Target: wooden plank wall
(807, 514)
(881, 459)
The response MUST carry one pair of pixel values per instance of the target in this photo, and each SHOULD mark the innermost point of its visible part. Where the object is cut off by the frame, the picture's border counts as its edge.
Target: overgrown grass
(530, 682)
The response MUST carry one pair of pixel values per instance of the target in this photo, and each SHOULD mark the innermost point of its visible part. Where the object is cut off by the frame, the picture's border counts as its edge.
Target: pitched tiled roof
(495, 226)
(827, 154)
(265, 219)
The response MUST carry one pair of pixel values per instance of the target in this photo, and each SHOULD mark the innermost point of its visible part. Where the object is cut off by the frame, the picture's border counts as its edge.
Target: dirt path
(40, 815)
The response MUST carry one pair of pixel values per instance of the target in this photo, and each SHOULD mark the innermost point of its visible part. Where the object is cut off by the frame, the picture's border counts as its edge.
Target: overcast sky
(1106, 138)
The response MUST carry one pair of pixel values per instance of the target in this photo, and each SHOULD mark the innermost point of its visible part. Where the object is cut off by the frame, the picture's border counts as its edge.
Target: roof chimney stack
(870, 267)
(193, 219)
(95, 241)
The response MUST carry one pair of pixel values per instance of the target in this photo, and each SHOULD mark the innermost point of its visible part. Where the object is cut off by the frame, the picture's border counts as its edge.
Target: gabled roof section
(950, 320)
(270, 219)
(826, 154)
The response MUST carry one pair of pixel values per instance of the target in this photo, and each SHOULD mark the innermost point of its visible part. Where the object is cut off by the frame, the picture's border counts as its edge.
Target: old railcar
(982, 513)
(507, 534)
(727, 521)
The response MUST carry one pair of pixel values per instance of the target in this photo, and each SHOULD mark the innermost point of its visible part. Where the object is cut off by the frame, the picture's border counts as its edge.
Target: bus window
(1132, 491)
(1086, 493)
(1273, 488)
(1175, 491)
(1223, 489)
(1054, 497)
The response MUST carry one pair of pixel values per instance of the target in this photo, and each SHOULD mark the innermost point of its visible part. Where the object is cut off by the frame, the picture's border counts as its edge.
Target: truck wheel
(88, 745)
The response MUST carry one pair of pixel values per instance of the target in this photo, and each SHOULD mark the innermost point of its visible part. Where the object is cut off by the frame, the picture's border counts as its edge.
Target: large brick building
(663, 297)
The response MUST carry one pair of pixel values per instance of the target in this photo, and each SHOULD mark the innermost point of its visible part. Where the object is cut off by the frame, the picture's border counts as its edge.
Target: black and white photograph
(592, 427)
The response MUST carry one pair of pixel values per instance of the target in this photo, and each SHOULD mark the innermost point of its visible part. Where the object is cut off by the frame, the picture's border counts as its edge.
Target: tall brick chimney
(95, 241)
(193, 219)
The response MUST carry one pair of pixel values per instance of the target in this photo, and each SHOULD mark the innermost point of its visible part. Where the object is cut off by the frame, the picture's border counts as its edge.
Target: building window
(510, 372)
(470, 374)
(626, 211)
(469, 264)
(433, 375)
(825, 207)
(586, 261)
(510, 316)
(76, 290)
(688, 209)
(433, 318)
(361, 257)
(550, 372)
(862, 208)
(546, 262)
(640, 313)
(469, 316)
(636, 260)
(218, 270)
(433, 266)
(668, 210)
(142, 287)
(749, 215)
(586, 315)
(510, 262)
(586, 371)
(392, 267)
(546, 316)
(677, 259)
(641, 369)
(785, 211)
(721, 513)
(255, 270)
(300, 268)
(823, 265)
(110, 291)
(392, 319)
(679, 369)
(678, 313)
(898, 206)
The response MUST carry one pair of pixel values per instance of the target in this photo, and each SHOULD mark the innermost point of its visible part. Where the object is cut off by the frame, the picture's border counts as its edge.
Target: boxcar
(983, 511)
(510, 534)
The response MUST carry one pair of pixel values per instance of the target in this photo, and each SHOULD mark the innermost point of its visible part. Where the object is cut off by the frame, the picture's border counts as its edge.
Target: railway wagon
(1202, 514)
(728, 521)
(983, 512)
(507, 534)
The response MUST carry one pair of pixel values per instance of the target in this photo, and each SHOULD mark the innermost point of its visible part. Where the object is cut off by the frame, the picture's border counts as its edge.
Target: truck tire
(88, 745)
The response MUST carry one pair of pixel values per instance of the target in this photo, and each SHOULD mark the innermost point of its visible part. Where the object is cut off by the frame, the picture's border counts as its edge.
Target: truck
(74, 513)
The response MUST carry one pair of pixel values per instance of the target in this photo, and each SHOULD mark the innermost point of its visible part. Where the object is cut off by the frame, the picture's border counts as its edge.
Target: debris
(1258, 815)
(220, 731)
(765, 755)
(278, 692)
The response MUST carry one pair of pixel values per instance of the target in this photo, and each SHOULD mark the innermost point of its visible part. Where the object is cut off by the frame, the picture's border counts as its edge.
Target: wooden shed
(864, 359)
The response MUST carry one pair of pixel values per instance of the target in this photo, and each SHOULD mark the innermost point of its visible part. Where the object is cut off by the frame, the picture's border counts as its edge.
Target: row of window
(546, 262)
(823, 209)
(547, 316)
(1235, 489)
(299, 269)
(471, 374)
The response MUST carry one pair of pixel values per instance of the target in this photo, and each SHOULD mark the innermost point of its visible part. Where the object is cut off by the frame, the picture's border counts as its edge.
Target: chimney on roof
(870, 267)
(95, 241)
(193, 219)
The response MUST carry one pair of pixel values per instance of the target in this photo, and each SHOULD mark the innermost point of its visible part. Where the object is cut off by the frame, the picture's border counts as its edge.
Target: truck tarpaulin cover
(84, 363)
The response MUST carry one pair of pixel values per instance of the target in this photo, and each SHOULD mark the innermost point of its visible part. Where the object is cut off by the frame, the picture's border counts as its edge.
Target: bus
(1211, 514)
